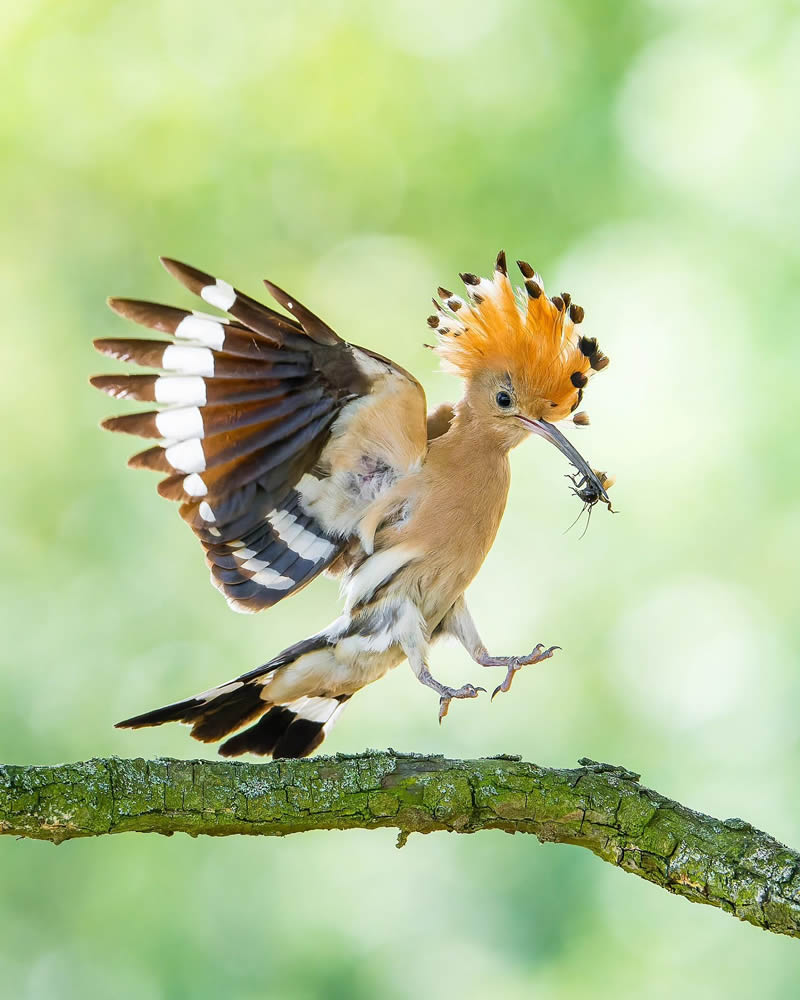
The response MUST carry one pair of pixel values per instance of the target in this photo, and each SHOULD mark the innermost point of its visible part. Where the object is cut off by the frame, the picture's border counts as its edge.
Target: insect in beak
(552, 434)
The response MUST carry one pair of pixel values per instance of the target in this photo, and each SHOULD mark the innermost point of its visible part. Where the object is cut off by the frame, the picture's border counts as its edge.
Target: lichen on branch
(723, 863)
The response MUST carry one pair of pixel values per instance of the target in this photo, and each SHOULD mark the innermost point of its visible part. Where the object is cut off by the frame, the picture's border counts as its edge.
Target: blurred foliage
(642, 155)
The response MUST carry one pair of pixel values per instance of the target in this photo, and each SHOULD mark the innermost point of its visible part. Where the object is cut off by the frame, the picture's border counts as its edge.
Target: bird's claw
(466, 691)
(536, 655)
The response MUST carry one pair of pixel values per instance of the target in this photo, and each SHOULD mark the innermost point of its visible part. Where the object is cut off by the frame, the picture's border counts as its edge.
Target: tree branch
(723, 863)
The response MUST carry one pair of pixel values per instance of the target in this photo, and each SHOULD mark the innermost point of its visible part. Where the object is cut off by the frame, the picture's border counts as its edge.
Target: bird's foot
(536, 655)
(448, 693)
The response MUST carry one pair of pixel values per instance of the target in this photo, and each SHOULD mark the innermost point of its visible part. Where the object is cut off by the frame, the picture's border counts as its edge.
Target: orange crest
(535, 339)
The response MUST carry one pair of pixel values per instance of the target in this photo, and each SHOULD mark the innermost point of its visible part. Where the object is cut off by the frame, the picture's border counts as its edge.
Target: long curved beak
(552, 434)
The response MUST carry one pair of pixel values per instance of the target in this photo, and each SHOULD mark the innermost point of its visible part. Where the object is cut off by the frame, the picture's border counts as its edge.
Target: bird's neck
(464, 487)
(471, 431)
(473, 455)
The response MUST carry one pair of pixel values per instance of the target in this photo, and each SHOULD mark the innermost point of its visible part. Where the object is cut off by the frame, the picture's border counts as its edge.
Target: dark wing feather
(249, 402)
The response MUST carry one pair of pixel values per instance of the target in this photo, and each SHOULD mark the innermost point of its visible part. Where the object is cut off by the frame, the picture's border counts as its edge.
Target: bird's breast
(453, 522)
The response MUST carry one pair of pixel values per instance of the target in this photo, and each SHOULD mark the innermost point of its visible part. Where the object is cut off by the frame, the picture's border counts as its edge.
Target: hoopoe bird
(292, 452)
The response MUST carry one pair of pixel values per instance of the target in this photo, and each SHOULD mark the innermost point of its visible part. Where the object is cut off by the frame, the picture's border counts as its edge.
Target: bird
(293, 452)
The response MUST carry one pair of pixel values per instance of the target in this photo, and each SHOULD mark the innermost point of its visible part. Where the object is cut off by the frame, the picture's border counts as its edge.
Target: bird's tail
(292, 729)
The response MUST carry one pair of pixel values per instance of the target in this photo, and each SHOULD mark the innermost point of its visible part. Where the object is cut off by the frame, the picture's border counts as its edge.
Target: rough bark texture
(723, 863)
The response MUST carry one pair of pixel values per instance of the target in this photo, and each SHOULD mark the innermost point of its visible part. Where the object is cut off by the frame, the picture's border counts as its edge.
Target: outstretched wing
(259, 409)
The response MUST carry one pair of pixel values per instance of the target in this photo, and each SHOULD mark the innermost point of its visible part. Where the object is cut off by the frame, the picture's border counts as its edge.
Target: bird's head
(524, 359)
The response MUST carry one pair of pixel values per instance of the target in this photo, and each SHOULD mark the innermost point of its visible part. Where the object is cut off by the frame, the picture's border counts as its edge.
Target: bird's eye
(503, 399)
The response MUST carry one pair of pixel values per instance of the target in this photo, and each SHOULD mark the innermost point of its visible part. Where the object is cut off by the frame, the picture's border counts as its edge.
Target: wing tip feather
(190, 277)
(120, 305)
(311, 324)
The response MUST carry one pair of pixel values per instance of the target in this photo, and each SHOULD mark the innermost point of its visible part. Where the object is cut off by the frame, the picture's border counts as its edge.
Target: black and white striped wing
(245, 407)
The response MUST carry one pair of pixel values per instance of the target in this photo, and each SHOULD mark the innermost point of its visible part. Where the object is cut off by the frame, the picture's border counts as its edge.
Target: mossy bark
(723, 863)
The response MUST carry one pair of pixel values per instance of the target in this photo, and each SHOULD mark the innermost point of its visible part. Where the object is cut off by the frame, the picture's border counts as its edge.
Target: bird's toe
(465, 691)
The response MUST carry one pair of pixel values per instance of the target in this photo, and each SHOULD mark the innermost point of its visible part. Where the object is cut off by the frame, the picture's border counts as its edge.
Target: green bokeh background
(642, 155)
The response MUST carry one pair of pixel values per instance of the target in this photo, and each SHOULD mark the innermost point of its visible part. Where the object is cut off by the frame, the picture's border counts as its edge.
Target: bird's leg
(414, 642)
(458, 622)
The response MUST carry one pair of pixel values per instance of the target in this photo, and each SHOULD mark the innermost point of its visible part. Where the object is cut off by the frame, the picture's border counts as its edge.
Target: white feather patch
(187, 456)
(202, 329)
(290, 530)
(313, 709)
(300, 540)
(187, 389)
(310, 546)
(181, 423)
(207, 514)
(194, 486)
(280, 518)
(320, 548)
(221, 295)
(188, 360)
(274, 581)
(252, 564)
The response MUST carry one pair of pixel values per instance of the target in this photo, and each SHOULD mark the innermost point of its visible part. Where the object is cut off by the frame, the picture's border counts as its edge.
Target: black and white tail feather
(294, 729)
